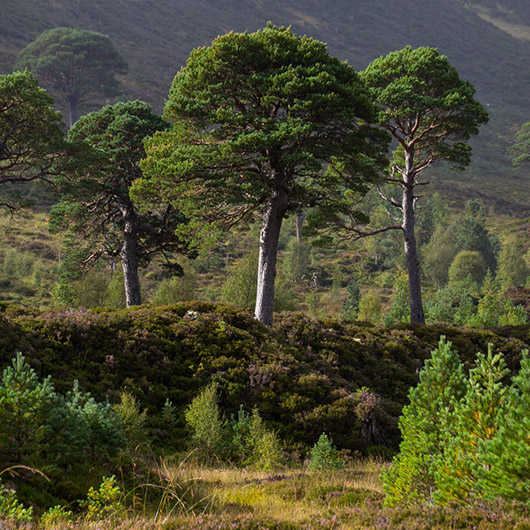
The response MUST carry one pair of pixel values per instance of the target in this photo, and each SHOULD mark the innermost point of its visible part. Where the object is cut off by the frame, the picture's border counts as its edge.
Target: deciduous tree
(265, 123)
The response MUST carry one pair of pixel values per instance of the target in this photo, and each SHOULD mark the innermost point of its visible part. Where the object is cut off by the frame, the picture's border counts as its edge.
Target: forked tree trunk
(268, 252)
(411, 253)
(129, 260)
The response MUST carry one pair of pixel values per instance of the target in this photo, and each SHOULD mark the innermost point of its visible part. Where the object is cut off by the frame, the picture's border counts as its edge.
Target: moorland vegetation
(116, 415)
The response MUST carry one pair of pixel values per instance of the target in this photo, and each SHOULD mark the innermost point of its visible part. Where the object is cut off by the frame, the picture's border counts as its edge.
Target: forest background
(487, 45)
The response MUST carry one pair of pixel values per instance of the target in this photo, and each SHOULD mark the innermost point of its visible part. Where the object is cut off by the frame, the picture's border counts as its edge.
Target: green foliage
(350, 309)
(296, 261)
(294, 124)
(400, 310)
(100, 425)
(467, 263)
(95, 198)
(513, 269)
(303, 376)
(133, 420)
(78, 66)
(324, 456)
(505, 469)
(472, 235)
(177, 289)
(370, 308)
(420, 86)
(491, 306)
(464, 441)
(203, 417)
(25, 406)
(106, 502)
(168, 413)
(306, 115)
(252, 443)
(241, 282)
(521, 146)
(475, 421)
(64, 436)
(33, 145)
(454, 304)
(438, 255)
(11, 508)
(425, 424)
(56, 516)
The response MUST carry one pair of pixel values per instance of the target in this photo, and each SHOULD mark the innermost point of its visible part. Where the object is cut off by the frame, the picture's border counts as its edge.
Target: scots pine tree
(426, 423)
(505, 469)
(474, 422)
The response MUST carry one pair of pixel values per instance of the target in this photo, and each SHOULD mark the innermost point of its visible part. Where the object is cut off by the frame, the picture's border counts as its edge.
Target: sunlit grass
(291, 495)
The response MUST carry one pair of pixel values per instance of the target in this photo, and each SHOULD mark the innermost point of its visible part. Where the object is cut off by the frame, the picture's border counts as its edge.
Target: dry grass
(192, 497)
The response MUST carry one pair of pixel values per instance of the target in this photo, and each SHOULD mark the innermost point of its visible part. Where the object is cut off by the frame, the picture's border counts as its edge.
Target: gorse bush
(463, 437)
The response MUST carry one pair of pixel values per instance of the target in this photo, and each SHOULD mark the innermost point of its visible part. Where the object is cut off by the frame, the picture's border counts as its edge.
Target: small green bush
(55, 517)
(203, 417)
(132, 419)
(324, 455)
(11, 508)
(105, 502)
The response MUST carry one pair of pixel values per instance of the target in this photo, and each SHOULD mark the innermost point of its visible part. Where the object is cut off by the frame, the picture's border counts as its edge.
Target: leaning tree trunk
(129, 260)
(411, 253)
(268, 252)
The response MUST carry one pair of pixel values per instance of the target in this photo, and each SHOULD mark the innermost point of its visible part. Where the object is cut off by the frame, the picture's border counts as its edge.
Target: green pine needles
(465, 438)
(244, 439)
(324, 455)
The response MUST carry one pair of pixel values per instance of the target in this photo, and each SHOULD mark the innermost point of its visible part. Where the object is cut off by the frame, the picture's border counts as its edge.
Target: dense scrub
(306, 376)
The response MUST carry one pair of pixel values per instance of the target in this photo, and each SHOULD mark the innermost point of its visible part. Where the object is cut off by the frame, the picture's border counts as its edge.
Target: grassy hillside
(488, 44)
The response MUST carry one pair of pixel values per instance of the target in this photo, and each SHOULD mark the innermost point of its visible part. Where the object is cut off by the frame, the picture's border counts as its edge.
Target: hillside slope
(488, 44)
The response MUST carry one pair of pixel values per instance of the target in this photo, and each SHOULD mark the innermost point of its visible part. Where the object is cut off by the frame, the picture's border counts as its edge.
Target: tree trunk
(129, 260)
(411, 254)
(72, 101)
(300, 217)
(268, 252)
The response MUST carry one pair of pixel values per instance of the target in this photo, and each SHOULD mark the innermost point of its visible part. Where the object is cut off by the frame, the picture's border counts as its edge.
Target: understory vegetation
(147, 258)
(232, 423)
